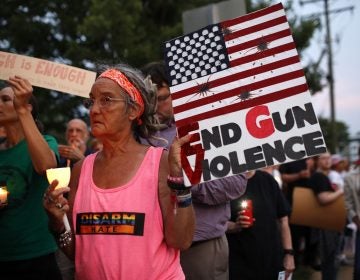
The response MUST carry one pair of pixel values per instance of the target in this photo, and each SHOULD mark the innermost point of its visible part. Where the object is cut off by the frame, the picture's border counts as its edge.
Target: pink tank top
(119, 231)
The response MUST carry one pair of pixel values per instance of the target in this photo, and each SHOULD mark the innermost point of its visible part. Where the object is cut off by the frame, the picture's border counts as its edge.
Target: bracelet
(289, 252)
(181, 199)
(176, 180)
(182, 192)
(63, 239)
(184, 203)
(176, 183)
(184, 200)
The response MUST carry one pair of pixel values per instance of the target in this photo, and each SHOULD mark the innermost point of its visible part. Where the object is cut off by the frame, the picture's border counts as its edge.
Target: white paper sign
(47, 74)
(239, 87)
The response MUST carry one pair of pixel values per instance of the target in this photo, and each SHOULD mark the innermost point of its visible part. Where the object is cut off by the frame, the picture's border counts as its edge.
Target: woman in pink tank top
(126, 219)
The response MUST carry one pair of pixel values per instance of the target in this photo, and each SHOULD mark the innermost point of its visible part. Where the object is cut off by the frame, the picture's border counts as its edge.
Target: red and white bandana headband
(125, 84)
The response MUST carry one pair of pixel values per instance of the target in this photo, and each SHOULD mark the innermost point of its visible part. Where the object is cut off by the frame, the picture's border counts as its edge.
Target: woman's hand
(22, 92)
(56, 205)
(174, 157)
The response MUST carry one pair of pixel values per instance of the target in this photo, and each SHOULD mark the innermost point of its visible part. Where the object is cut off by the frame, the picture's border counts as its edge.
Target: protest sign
(307, 211)
(47, 74)
(239, 88)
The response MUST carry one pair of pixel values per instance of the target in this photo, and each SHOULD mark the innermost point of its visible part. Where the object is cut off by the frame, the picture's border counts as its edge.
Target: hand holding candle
(62, 175)
(246, 218)
(3, 196)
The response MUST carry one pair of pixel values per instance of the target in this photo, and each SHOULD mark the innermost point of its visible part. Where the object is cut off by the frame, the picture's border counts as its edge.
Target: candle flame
(244, 204)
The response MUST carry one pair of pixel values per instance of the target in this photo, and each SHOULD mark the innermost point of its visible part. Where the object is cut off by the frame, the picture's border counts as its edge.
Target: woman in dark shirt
(326, 194)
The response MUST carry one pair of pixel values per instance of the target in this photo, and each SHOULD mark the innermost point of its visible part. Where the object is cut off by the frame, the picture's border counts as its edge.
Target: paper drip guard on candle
(62, 175)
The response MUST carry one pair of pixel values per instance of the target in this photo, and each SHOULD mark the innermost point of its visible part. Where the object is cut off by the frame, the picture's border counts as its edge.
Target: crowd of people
(130, 214)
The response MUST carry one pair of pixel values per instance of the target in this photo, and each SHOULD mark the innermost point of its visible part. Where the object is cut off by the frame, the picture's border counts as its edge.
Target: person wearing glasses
(127, 220)
(207, 258)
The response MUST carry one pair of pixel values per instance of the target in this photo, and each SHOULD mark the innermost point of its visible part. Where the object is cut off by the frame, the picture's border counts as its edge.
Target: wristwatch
(289, 252)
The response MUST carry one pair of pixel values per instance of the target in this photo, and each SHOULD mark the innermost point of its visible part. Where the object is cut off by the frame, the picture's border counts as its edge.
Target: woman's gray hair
(149, 122)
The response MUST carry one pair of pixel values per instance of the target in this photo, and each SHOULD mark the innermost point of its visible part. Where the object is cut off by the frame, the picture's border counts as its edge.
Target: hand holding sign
(241, 83)
(22, 92)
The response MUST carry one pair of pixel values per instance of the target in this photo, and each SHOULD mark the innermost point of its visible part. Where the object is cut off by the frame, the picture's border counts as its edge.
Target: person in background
(260, 248)
(352, 203)
(337, 181)
(337, 167)
(274, 171)
(26, 245)
(129, 211)
(77, 136)
(297, 174)
(325, 194)
(207, 258)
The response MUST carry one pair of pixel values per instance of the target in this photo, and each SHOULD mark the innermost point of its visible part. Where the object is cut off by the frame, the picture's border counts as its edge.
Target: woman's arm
(41, 155)
(52, 198)
(179, 222)
(329, 197)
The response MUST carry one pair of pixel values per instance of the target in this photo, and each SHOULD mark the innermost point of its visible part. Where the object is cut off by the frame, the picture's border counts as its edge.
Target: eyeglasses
(163, 98)
(103, 101)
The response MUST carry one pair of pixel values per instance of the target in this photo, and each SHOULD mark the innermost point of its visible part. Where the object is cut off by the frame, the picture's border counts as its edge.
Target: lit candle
(62, 175)
(3, 195)
(247, 206)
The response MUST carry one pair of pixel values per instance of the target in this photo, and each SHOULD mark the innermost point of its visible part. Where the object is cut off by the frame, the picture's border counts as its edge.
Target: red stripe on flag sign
(255, 42)
(253, 15)
(211, 68)
(246, 31)
(237, 76)
(244, 105)
(236, 91)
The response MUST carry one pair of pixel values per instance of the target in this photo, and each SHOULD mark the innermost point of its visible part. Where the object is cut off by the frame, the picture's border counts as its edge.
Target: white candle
(3, 195)
(66, 223)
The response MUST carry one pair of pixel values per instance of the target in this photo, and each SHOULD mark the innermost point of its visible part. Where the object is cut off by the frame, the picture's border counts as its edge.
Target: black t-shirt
(320, 183)
(256, 252)
(293, 168)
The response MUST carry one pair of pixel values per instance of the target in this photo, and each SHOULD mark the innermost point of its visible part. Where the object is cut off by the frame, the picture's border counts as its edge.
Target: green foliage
(82, 33)
(342, 134)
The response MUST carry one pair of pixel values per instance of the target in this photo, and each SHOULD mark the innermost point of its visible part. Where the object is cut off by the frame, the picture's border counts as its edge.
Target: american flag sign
(233, 66)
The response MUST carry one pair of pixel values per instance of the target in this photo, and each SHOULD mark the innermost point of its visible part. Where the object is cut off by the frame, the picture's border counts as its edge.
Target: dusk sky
(346, 61)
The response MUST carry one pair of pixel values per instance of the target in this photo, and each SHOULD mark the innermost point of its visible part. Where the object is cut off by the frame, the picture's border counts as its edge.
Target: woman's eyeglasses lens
(104, 101)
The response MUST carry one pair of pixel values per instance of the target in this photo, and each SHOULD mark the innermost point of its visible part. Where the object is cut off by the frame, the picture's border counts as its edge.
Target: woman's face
(324, 161)
(7, 110)
(109, 114)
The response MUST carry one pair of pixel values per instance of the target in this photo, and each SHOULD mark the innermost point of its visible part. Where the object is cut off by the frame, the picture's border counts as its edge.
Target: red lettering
(187, 150)
(262, 129)
(39, 67)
